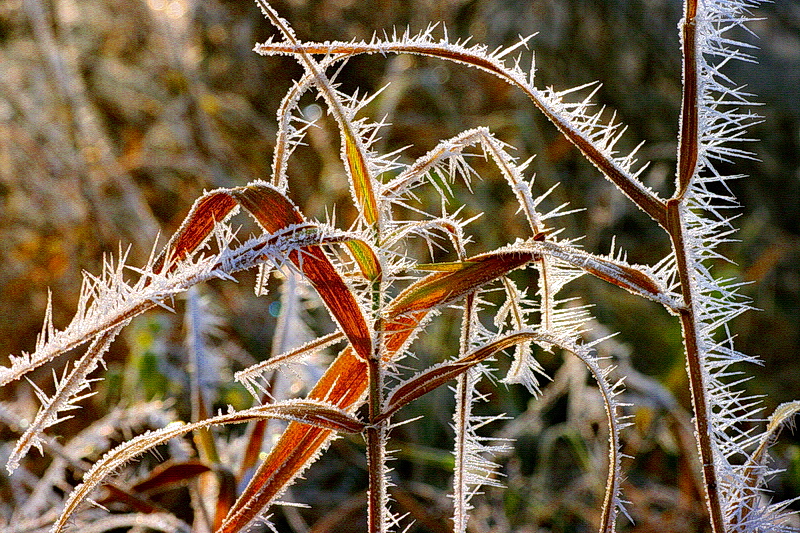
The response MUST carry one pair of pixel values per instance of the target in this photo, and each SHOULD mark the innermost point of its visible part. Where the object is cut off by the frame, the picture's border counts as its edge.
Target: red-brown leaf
(275, 212)
(207, 211)
(169, 474)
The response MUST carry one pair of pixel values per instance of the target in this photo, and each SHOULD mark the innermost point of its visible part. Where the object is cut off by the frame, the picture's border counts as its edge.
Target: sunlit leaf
(359, 172)
(365, 257)
(210, 209)
(614, 168)
(353, 150)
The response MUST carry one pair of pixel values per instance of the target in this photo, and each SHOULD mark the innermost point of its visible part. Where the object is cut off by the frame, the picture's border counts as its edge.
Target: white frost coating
(474, 467)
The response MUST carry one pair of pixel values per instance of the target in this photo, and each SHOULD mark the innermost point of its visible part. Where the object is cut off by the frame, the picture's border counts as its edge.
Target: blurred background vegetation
(115, 116)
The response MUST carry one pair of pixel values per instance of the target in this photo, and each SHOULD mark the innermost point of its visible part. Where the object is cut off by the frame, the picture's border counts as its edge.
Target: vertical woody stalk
(688, 134)
(376, 432)
(694, 365)
(376, 454)
(688, 148)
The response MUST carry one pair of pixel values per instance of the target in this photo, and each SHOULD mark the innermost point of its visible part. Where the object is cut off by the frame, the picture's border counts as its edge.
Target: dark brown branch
(694, 367)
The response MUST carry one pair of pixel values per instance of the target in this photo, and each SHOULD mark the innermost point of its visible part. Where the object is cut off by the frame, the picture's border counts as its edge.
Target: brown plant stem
(687, 167)
(694, 367)
(375, 450)
(375, 433)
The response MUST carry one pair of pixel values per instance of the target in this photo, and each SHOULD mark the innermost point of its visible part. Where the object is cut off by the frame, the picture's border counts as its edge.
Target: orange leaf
(343, 385)
(226, 494)
(353, 152)
(207, 211)
(630, 278)
(169, 474)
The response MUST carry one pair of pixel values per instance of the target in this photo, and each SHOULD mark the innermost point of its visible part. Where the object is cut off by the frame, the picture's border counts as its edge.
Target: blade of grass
(456, 280)
(366, 259)
(754, 468)
(353, 151)
(210, 209)
(343, 385)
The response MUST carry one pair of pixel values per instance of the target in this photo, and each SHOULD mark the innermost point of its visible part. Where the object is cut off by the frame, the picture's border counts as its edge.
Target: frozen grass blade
(94, 317)
(441, 373)
(633, 278)
(249, 376)
(756, 468)
(457, 279)
(68, 392)
(275, 212)
(170, 474)
(367, 260)
(209, 210)
(342, 385)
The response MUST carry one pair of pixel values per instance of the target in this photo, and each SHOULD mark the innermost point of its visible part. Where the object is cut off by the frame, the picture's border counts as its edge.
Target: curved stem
(643, 197)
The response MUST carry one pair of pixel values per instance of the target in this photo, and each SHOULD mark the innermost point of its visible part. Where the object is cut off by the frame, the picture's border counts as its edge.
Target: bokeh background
(115, 116)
